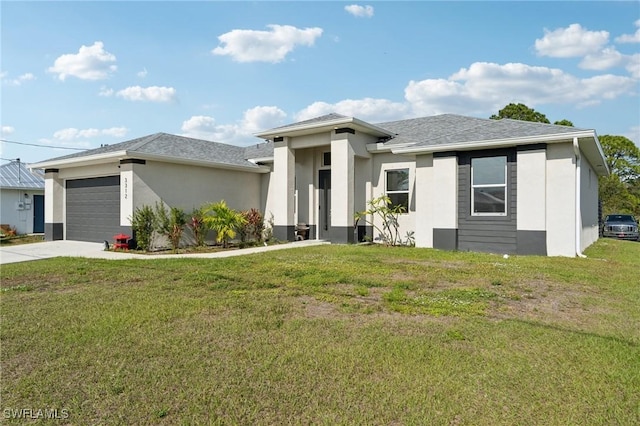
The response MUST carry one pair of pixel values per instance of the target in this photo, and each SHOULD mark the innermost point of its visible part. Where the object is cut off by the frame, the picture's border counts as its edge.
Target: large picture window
(489, 186)
(398, 188)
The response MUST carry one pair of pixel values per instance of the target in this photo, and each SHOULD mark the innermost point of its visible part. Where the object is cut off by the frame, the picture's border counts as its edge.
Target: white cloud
(261, 118)
(240, 133)
(90, 63)
(630, 38)
(633, 65)
(572, 41)
(634, 135)
(17, 81)
(7, 130)
(265, 46)
(368, 109)
(148, 94)
(360, 11)
(71, 134)
(116, 132)
(485, 87)
(143, 73)
(106, 92)
(604, 59)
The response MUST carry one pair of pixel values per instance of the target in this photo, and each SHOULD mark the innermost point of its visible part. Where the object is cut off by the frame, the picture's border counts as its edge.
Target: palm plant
(224, 220)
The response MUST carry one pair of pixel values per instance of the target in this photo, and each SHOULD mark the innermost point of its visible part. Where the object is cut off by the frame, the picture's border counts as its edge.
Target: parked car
(622, 226)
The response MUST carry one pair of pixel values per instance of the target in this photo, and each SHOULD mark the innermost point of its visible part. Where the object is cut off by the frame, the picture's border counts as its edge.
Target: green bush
(253, 226)
(170, 223)
(198, 226)
(143, 224)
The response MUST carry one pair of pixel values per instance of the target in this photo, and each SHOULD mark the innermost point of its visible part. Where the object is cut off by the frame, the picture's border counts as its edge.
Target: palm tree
(225, 221)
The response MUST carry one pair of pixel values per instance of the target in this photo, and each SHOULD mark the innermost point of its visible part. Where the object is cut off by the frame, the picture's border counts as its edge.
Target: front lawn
(339, 334)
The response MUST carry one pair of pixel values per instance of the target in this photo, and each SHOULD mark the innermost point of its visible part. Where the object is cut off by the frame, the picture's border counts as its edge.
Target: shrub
(170, 223)
(267, 230)
(143, 224)
(253, 227)
(198, 226)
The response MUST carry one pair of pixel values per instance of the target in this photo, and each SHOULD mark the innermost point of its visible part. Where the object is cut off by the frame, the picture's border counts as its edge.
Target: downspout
(578, 218)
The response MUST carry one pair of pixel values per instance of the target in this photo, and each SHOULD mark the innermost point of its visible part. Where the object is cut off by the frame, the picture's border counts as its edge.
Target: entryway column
(342, 186)
(445, 201)
(54, 197)
(284, 160)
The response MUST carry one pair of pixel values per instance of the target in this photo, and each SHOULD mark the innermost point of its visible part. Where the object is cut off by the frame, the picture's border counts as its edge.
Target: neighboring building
(501, 186)
(22, 198)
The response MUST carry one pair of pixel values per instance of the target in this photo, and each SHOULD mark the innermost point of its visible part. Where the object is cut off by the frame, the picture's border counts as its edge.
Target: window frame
(388, 192)
(504, 186)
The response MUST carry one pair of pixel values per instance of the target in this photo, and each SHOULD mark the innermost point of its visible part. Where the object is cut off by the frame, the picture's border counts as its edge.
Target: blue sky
(82, 74)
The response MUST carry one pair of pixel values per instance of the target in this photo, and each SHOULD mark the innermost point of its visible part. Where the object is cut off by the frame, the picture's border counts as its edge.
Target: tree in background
(620, 191)
(520, 112)
(563, 122)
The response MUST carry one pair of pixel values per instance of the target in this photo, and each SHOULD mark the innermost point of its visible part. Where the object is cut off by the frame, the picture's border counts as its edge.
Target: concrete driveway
(49, 249)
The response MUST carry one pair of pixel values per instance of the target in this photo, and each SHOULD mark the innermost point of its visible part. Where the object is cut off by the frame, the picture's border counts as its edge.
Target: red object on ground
(122, 242)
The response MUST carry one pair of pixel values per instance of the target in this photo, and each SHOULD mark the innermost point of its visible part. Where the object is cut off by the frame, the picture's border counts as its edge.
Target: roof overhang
(587, 139)
(325, 126)
(92, 160)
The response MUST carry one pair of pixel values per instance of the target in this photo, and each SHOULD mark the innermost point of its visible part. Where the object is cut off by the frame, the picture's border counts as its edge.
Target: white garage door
(93, 209)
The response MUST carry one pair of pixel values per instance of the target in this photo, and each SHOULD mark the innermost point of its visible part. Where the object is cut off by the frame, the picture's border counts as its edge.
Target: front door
(38, 214)
(324, 207)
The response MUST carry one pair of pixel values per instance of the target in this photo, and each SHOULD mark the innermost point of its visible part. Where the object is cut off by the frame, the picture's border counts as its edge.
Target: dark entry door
(324, 185)
(38, 214)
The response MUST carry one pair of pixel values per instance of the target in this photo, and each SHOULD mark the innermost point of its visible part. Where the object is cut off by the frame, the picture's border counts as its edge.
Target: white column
(561, 198)
(425, 195)
(283, 185)
(531, 190)
(342, 188)
(54, 200)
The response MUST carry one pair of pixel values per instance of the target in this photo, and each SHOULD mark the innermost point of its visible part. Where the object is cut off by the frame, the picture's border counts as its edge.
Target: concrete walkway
(49, 249)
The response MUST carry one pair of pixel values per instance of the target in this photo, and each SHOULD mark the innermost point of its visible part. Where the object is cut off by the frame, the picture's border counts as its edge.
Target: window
(489, 186)
(326, 159)
(398, 188)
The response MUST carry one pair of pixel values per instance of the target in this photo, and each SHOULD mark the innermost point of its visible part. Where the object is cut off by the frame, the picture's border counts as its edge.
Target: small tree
(382, 211)
(198, 226)
(143, 223)
(225, 221)
(170, 223)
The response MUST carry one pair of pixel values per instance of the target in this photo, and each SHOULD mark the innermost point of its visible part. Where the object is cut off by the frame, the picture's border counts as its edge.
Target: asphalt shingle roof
(425, 131)
(173, 146)
(328, 117)
(261, 150)
(451, 128)
(17, 175)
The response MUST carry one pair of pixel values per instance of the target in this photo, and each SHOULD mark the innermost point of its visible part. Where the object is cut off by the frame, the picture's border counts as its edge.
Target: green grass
(326, 335)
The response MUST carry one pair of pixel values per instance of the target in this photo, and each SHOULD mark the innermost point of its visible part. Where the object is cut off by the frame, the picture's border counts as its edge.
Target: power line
(43, 146)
